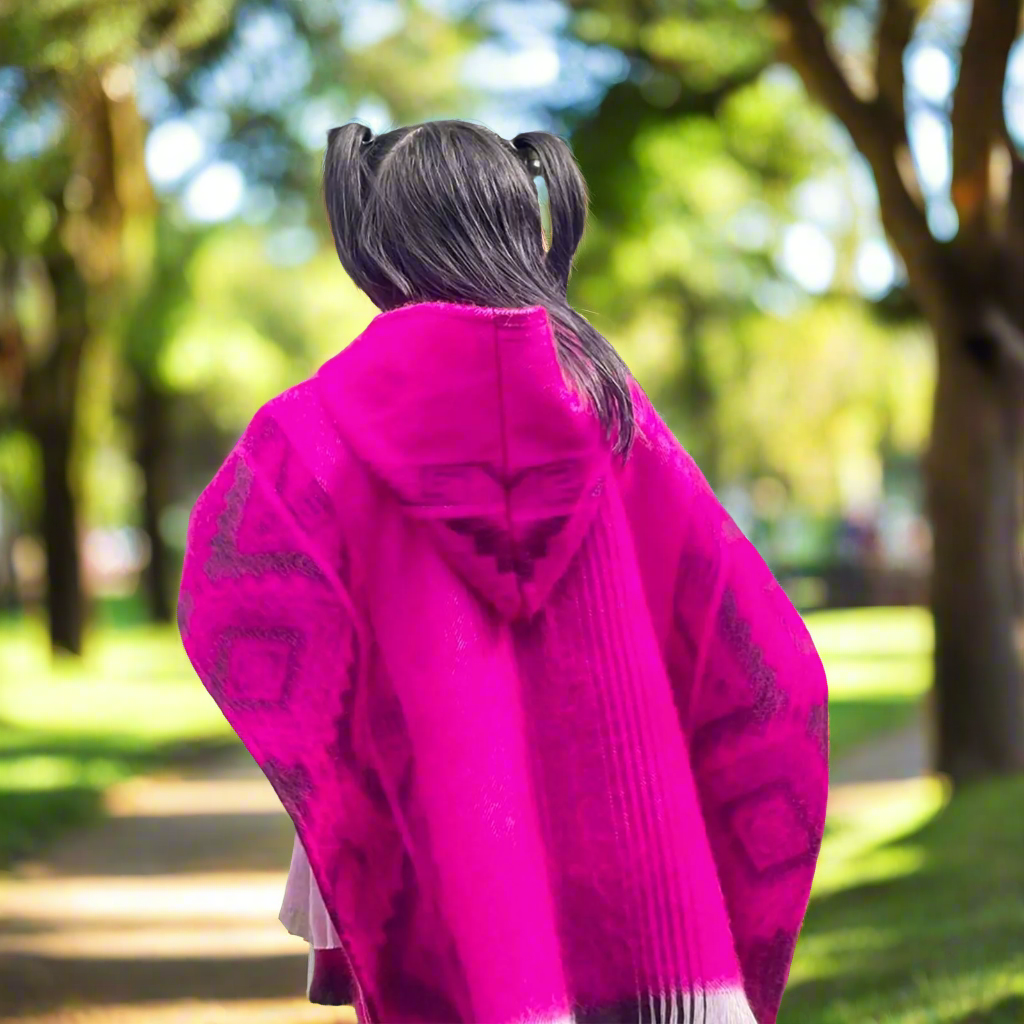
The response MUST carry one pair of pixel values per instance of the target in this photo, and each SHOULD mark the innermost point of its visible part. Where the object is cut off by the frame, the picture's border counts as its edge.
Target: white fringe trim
(699, 1006)
(713, 1006)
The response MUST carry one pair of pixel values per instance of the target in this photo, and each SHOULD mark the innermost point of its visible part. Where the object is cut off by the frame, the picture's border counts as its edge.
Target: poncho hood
(464, 413)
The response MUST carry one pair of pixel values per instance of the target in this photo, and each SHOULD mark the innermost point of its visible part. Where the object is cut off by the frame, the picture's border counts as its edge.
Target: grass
(71, 728)
(917, 915)
(878, 666)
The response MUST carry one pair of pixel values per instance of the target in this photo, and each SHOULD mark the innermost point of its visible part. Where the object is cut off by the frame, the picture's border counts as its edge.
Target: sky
(532, 64)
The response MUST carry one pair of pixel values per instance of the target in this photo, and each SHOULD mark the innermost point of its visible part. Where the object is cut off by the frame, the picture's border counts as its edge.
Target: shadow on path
(163, 913)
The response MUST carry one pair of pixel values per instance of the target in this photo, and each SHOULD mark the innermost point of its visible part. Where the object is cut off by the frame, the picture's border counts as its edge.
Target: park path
(163, 913)
(176, 894)
(881, 769)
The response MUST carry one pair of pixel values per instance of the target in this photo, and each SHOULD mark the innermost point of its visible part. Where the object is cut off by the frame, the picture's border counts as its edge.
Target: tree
(671, 196)
(284, 61)
(148, 323)
(68, 85)
(83, 196)
(968, 288)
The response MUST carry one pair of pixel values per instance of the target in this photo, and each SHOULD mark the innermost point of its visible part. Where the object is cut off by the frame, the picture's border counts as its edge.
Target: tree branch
(895, 28)
(879, 134)
(978, 104)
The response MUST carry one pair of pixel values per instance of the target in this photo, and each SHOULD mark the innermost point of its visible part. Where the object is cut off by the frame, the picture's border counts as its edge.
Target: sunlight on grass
(857, 844)
(88, 705)
(916, 911)
(877, 631)
(898, 676)
(54, 772)
(878, 665)
(132, 684)
(70, 728)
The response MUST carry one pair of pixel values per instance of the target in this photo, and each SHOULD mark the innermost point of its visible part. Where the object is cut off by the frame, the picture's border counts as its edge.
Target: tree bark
(9, 601)
(50, 400)
(151, 454)
(973, 470)
(64, 598)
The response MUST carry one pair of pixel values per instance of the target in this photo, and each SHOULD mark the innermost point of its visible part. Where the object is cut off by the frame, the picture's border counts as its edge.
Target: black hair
(447, 211)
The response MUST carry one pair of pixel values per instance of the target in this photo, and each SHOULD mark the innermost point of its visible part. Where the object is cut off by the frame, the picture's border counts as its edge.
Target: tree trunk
(9, 601)
(50, 399)
(65, 603)
(974, 470)
(151, 454)
(970, 292)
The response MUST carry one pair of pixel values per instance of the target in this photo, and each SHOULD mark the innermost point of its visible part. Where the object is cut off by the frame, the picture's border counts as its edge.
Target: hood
(463, 412)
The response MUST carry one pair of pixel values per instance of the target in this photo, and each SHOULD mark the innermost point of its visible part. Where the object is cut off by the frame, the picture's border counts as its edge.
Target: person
(553, 740)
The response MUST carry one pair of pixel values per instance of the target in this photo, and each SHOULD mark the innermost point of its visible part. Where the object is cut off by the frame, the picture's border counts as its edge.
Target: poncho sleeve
(756, 699)
(269, 629)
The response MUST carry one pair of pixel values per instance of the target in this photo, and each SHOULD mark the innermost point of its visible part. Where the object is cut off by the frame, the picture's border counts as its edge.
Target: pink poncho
(553, 740)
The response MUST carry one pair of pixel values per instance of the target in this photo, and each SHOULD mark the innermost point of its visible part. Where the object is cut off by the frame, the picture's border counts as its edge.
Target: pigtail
(567, 198)
(346, 184)
(587, 356)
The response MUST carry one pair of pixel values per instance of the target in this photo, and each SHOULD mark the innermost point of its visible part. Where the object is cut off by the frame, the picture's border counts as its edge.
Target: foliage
(683, 263)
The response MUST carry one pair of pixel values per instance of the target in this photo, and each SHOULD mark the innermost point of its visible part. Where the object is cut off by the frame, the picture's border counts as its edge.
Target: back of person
(553, 740)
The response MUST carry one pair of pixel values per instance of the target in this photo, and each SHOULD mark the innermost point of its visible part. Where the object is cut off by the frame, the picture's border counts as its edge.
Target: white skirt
(302, 910)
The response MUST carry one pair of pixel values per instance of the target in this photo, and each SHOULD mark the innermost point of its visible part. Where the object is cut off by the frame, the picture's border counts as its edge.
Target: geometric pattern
(301, 493)
(515, 550)
(410, 997)
(550, 483)
(293, 785)
(227, 559)
(769, 833)
(736, 632)
(511, 554)
(267, 657)
(817, 727)
(184, 614)
(769, 698)
(512, 520)
(770, 830)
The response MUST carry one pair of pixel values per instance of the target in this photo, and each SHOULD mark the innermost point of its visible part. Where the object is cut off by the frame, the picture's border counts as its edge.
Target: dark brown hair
(447, 211)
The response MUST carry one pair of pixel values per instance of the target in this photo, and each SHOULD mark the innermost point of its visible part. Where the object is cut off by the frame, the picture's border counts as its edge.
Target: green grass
(917, 915)
(878, 666)
(68, 729)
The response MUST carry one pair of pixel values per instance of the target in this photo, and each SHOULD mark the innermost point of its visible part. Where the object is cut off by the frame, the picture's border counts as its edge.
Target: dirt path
(176, 894)
(892, 764)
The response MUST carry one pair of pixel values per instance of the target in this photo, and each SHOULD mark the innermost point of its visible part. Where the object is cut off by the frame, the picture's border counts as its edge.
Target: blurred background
(807, 240)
